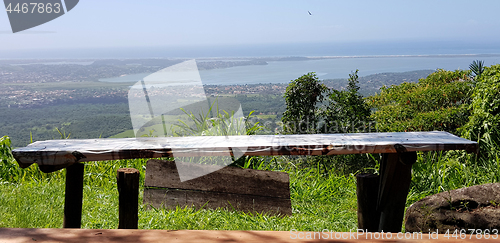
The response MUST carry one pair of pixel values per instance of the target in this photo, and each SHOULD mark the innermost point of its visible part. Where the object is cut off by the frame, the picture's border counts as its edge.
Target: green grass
(33, 201)
(437, 172)
(31, 205)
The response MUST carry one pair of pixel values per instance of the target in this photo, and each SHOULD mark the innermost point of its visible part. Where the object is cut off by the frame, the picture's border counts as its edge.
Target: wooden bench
(398, 150)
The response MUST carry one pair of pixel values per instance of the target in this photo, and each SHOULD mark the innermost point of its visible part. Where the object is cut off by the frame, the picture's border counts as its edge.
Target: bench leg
(367, 193)
(73, 196)
(128, 198)
(395, 178)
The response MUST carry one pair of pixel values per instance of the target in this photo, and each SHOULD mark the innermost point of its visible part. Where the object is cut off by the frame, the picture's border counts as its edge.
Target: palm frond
(477, 67)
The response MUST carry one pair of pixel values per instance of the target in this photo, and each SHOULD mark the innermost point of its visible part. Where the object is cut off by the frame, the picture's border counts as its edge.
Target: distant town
(32, 83)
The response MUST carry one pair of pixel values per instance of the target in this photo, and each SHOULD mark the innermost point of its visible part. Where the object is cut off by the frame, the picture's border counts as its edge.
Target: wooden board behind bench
(230, 187)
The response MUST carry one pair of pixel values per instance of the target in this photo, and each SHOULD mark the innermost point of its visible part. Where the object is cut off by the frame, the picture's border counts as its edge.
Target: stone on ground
(476, 207)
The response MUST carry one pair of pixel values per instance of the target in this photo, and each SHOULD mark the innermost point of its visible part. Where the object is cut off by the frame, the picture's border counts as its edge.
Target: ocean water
(265, 50)
(368, 57)
(284, 71)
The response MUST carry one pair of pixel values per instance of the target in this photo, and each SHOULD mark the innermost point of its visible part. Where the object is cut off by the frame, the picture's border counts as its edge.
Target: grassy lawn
(36, 201)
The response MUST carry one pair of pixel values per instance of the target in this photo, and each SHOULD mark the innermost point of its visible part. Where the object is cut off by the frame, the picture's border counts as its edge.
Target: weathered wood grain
(57, 154)
(233, 180)
(395, 179)
(367, 186)
(229, 187)
(127, 180)
(170, 198)
(51, 235)
(73, 196)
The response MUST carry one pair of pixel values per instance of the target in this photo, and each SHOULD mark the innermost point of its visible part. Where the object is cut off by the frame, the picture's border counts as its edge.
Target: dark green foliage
(6, 159)
(484, 122)
(346, 111)
(438, 102)
(262, 103)
(86, 120)
(302, 96)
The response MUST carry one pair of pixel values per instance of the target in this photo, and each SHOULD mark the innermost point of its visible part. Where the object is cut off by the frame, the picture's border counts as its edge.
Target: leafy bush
(484, 123)
(438, 102)
(11, 172)
(5, 150)
(7, 168)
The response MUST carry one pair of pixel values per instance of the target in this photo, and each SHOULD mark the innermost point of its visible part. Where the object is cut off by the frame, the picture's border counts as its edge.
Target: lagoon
(328, 68)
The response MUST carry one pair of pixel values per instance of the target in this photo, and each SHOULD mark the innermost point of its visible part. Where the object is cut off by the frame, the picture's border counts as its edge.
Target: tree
(344, 111)
(301, 97)
(347, 110)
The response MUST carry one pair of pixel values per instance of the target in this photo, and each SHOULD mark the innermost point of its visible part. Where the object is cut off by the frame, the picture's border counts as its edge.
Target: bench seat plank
(52, 155)
(216, 236)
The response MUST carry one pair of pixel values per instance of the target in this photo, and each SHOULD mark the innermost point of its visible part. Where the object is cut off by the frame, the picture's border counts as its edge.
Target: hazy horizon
(389, 48)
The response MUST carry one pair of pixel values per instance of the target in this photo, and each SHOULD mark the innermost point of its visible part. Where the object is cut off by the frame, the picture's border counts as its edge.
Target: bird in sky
(309, 13)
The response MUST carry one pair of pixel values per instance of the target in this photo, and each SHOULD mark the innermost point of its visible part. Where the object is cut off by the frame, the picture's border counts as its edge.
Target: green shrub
(11, 172)
(7, 168)
(484, 123)
(438, 102)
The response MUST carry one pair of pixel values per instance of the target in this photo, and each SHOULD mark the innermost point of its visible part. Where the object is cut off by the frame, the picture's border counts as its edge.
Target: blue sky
(152, 23)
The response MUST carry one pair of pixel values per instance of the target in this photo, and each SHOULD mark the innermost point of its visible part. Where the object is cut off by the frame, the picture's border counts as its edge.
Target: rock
(476, 207)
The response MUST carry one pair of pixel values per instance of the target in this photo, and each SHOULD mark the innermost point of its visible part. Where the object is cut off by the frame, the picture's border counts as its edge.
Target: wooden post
(128, 199)
(395, 178)
(73, 196)
(367, 192)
